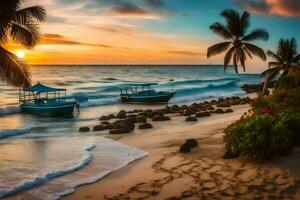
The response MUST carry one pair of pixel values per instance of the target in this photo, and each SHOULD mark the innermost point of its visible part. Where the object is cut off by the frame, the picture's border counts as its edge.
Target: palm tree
(286, 59)
(19, 25)
(237, 41)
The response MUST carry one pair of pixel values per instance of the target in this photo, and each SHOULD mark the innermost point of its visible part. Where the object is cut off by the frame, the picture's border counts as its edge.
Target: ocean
(45, 157)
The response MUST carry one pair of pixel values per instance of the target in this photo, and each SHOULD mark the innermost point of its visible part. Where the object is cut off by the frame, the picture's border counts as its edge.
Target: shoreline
(138, 179)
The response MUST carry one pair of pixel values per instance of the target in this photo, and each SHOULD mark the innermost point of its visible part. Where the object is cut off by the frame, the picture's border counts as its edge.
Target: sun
(20, 54)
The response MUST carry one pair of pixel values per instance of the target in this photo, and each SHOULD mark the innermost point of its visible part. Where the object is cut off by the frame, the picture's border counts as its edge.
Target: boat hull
(147, 99)
(62, 108)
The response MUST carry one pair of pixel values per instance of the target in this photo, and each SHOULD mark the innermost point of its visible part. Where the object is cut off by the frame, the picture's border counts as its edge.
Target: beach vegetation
(272, 127)
(285, 60)
(238, 42)
(21, 26)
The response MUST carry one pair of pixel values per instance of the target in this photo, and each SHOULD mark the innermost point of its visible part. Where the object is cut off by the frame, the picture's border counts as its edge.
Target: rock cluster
(124, 121)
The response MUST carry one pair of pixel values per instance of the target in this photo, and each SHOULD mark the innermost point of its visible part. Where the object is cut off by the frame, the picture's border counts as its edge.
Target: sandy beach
(201, 174)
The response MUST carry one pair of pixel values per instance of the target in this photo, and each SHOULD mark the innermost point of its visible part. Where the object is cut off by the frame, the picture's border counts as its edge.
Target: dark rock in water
(119, 131)
(228, 155)
(123, 124)
(131, 119)
(141, 119)
(209, 107)
(153, 114)
(228, 111)
(161, 118)
(183, 107)
(121, 114)
(105, 123)
(202, 114)
(186, 113)
(188, 145)
(191, 119)
(84, 129)
(99, 128)
(108, 126)
(145, 126)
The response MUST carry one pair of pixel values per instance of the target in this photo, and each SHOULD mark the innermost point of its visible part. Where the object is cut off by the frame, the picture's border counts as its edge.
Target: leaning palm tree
(285, 60)
(237, 41)
(19, 25)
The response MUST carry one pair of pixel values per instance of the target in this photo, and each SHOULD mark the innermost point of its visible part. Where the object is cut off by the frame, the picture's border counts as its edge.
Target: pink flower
(267, 110)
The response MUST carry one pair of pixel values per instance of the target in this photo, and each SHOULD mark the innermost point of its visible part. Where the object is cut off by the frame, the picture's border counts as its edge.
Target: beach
(167, 174)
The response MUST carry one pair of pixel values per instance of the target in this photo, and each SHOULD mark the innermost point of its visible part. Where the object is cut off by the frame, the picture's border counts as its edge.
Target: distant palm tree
(237, 41)
(286, 59)
(21, 26)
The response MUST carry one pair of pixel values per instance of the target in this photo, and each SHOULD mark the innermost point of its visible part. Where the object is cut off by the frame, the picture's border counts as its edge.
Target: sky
(150, 31)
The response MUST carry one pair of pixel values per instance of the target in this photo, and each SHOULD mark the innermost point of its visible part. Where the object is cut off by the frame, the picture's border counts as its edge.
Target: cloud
(185, 53)
(286, 8)
(155, 3)
(57, 39)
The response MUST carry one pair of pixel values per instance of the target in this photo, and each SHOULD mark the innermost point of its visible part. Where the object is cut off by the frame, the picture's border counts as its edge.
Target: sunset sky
(149, 31)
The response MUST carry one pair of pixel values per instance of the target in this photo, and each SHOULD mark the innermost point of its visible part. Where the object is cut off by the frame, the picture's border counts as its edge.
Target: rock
(123, 124)
(141, 119)
(121, 114)
(202, 114)
(175, 108)
(105, 123)
(183, 107)
(84, 129)
(186, 113)
(228, 111)
(209, 107)
(132, 119)
(161, 118)
(228, 155)
(119, 131)
(224, 104)
(99, 128)
(218, 111)
(188, 145)
(106, 117)
(145, 126)
(191, 119)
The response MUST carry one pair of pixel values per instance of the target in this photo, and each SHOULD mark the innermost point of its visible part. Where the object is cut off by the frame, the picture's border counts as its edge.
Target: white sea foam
(9, 110)
(107, 156)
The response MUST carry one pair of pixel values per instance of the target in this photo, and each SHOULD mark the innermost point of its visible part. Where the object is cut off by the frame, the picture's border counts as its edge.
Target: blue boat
(39, 99)
(143, 93)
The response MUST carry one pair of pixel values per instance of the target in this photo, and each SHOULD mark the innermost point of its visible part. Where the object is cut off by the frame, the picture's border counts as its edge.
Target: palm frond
(13, 70)
(257, 34)
(274, 64)
(255, 50)
(296, 59)
(217, 48)
(228, 57)
(37, 13)
(27, 34)
(275, 56)
(233, 21)
(244, 22)
(221, 30)
(271, 70)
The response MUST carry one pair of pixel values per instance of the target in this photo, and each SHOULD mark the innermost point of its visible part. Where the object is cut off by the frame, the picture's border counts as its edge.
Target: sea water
(45, 157)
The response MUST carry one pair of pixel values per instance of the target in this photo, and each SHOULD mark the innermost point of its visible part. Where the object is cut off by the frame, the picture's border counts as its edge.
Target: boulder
(228, 111)
(145, 126)
(123, 124)
(99, 128)
(175, 108)
(224, 104)
(191, 119)
(121, 114)
(105, 123)
(106, 117)
(188, 145)
(141, 119)
(209, 107)
(202, 114)
(186, 113)
(119, 131)
(84, 129)
(219, 111)
(183, 107)
(161, 118)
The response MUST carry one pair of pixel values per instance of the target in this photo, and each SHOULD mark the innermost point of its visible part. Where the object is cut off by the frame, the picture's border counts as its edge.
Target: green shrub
(258, 136)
